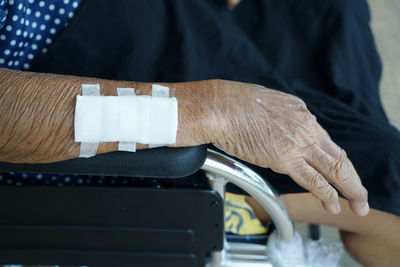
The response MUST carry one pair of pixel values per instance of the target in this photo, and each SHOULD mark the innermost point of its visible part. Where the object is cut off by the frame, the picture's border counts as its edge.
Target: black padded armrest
(160, 162)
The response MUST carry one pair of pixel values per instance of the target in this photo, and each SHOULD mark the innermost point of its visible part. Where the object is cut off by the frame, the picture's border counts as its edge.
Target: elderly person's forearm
(259, 125)
(37, 115)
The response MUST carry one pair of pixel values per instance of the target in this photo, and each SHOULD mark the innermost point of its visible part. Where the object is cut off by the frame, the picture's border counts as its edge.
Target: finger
(341, 173)
(327, 145)
(307, 177)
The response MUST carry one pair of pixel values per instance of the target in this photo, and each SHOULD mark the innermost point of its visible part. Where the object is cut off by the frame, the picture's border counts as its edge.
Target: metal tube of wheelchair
(245, 178)
(218, 183)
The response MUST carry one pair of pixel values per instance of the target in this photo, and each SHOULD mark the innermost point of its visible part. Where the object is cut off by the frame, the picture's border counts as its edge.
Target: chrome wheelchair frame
(220, 170)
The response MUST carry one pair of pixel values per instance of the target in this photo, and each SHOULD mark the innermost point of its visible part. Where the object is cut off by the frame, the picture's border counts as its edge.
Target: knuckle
(330, 194)
(342, 174)
(315, 181)
(336, 168)
(316, 155)
(326, 194)
(298, 163)
(313, 118)
(343, 154)
(299, 103)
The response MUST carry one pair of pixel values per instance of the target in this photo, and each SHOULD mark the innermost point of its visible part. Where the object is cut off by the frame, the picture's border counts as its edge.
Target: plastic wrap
(321, 253)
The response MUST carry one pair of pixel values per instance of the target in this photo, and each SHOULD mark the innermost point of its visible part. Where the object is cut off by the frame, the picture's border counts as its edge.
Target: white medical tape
(126, 91)
(159, 91)
(140, 119)
(126, 146)
(90, 89)
(89, 149)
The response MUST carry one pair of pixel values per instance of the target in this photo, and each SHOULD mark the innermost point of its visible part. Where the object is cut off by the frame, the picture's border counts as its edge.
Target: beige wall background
(386, 27)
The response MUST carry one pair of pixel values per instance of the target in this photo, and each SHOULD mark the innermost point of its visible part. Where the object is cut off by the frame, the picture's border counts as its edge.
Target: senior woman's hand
(276, 130)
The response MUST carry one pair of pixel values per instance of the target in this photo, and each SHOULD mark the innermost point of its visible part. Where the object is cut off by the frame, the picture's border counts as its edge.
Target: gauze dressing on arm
(126, 118)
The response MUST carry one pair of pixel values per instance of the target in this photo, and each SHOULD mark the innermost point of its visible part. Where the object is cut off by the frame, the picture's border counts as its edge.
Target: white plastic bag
(321, 253)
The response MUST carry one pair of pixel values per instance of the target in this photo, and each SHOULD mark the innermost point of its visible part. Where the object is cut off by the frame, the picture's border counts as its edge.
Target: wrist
(193, 112)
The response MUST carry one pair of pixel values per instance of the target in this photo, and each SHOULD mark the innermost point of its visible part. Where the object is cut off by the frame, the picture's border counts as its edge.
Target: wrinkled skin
(275, 130)
(259, 125)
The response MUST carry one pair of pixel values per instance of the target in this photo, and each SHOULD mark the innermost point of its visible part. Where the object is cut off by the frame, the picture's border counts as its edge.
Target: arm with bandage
(37, 115)
(259, 125)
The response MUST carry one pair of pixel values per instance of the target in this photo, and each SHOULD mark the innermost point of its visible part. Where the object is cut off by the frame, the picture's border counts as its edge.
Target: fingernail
(338, 208)
(365, 209)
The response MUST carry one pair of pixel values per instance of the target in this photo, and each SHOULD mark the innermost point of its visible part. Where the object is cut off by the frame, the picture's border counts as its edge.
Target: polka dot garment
(29, 179)
(28, 27)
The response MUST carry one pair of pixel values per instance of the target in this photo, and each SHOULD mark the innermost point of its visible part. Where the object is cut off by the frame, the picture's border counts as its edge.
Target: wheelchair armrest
(160, 162)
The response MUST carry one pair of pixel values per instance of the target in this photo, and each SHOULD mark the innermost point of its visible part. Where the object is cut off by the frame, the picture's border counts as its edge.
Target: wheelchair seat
(131, 226)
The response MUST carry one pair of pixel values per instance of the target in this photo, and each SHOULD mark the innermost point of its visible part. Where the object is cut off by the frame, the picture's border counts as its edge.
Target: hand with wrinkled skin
(275, 130)
(261, 126)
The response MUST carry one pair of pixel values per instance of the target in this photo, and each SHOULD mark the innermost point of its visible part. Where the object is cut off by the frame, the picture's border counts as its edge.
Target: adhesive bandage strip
(141, 119)
(126, 146)
(89, 149)
(91, 89)
(159, 91)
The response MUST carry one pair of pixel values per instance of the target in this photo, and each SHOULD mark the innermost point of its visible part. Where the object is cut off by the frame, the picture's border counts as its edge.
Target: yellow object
(240, 217)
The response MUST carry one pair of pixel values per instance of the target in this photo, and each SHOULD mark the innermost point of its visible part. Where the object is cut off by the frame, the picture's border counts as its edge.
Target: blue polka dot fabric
(28, 27)
(197, 180)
